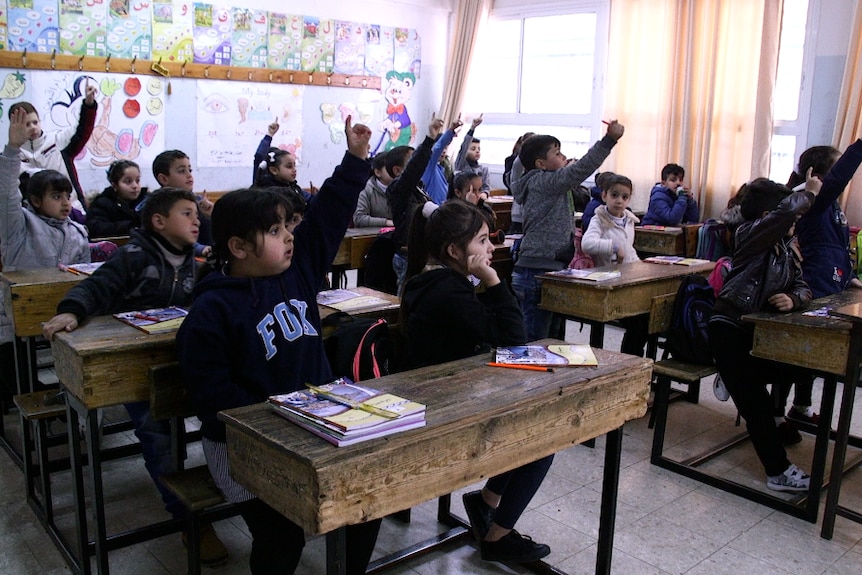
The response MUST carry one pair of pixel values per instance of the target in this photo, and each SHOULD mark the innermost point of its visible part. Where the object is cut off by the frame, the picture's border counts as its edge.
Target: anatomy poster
(232, 118)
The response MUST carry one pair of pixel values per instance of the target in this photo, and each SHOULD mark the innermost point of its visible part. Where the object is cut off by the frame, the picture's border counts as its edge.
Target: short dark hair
(397, 158)
(378, 162)
(297, 202)
(160, 202)
(26, 106)
(245, 213)
(759, 196)
(118, 168)
(162, 162)
(672, 170)
(819, 158)
(475, 141)
(40, 182)
(536, 148)
(610, 179)
(459, 181)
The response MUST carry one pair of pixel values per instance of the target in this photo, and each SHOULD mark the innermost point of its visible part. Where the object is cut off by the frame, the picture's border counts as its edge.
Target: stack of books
(344, 413)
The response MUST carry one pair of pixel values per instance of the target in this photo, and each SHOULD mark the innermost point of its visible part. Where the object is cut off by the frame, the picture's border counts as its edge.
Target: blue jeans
(529, 293)
(399, 266)
(155, 438)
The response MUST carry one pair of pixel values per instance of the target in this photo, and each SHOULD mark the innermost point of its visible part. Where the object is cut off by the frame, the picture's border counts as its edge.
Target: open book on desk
(157, 320)
(588, 274)
(82, 269)
(675, 260)
(554, 355)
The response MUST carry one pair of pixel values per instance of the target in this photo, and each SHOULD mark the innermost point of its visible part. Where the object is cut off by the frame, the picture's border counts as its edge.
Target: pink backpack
(581, 261)
(719, 272)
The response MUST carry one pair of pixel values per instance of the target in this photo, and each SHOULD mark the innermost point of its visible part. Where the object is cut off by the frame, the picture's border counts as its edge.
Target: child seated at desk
(610, 240)
(38, 234)
(113, 211)
(372, 208)
(670, 202)
(254, 331)
(766, 276)
(446, 320)
(156, 268)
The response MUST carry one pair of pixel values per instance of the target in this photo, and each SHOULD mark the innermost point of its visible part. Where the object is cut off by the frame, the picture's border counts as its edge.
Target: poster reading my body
(232, 118)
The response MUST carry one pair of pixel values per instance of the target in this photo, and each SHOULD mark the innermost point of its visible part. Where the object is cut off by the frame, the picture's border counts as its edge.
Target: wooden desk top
(819, 343)
(628, 295)
(354, 246)
(34, 295)
(481, 421)
(388, 309)
(671, 241)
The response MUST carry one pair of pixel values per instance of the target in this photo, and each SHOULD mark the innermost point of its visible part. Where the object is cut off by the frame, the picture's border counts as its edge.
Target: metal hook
(270, 76)
(135, 57)
(227, 74)
(24, 58)
(54, 59)
(80, 63)
(311, 78)
(250, 76)
(347, 81)
(364, 82)
(289, 78)
(207, 72)
(183, 69)
(329, 79)
(108, 63)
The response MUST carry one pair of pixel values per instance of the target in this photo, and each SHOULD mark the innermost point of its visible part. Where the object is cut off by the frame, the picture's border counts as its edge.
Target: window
(539, 67)
(792, 90)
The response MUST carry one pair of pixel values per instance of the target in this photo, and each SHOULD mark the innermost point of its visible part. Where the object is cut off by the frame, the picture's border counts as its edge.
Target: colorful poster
(249, 38)
(129, 29)
(33, 24)
(284, 48)
(349, 48)
(318, 45)
(212, 34)
(82, 28)
(407, 51)
(3, 27)
(379, 50)
(172, 31)
(232, 117)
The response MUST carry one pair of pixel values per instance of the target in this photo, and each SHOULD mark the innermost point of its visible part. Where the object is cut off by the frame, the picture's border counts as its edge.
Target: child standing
(57, 150)
(446, 320)
(544, 192)
(156, 268)
(469, 154)
(372, 208)
(670, 202)
(112, 213)
(254, 331)
(38, 234)
(766, 276)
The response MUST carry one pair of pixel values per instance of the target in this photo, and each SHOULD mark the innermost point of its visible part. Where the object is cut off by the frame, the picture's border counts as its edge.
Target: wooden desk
(671, 241)
(354, 246)
(488, 421)
(833, 347)
(388, 308)
(502, 206)
(502, 259)
(629, 295)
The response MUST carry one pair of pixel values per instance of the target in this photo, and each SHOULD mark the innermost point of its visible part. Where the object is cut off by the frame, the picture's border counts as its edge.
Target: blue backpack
(711, 243)
(688, 336)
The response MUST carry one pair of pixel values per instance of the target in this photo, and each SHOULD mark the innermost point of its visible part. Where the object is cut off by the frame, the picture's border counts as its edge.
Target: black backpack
(358, 348)
(378, 273)
(688, 336)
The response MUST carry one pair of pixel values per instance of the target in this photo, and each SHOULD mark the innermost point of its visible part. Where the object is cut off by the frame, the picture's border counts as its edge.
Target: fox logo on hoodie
(291, 322)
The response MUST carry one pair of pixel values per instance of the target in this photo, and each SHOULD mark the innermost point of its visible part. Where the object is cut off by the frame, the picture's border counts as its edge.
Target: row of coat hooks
(184, 69)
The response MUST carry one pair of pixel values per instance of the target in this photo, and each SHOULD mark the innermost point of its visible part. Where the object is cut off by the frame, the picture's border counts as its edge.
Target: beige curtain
(692, 82)
(469, 17)
(848, 123)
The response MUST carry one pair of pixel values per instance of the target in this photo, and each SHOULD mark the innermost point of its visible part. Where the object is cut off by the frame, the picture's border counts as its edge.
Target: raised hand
(18, 128)
(89, 93)
(435, 126)
(477, 121)
(272, 128)
(456, 123)
(358, 138)
(812, 183)
(615, 130)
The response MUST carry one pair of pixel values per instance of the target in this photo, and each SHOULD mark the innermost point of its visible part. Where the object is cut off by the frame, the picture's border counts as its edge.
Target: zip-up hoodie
(248, 338)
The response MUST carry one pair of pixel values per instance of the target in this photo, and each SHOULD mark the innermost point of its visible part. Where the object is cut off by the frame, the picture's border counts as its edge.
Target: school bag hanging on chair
(711, 242)
(688, 335)
(358, 348)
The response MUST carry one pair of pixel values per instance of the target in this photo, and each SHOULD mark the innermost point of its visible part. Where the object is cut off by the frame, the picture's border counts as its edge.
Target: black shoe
(480, 514)
(788, 433)
(514, 548)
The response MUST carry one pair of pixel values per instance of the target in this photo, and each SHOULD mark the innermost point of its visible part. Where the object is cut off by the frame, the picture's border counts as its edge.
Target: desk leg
(336, 552)
(821, 448)
(608, 514)
(77, 469)
(597, 334)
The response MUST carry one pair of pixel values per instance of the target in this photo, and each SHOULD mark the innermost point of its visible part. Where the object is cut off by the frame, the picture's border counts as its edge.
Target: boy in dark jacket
(766, 276)
(670, 202)
(155, 269)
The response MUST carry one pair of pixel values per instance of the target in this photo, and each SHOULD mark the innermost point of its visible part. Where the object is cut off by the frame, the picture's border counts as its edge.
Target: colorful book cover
(407, 51)
(172, 31)
(212, 34)
(84, 269)
(379, 50)
(156, 320)
(83, 28)
(249, 38)
(4, 23)
(129, 30)
(34, 25)
(675, 260)
(349, 48)
(561, 355)
(318, 45)
(341, 439)
(284, 43)
(345, 392)
(588, 274)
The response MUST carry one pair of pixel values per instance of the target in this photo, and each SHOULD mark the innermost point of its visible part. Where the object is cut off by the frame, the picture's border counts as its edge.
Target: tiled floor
(666, 523)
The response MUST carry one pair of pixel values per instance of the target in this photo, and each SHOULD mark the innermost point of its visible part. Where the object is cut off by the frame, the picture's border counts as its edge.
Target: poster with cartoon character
(284, 46)
(4, 23)
(232, 117)
(379, 49)
(398, 129)
(82, 27)
(33, 25)
(407, 51)
(349, 48)
(128, 121)
(172, 30)
(130, 29)
(212, 34)
(335, 116)
(249, 38)
(318, 45)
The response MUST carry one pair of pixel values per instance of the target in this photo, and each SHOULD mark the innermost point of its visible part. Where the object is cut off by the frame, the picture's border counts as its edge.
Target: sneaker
(804, 417)
(718, 388)
(213, 551)
(515, 548)
(788, 433)
(793, 479)
(480, 514)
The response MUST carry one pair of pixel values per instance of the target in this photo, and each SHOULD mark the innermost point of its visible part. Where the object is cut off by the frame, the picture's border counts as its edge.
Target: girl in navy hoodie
(254, 331)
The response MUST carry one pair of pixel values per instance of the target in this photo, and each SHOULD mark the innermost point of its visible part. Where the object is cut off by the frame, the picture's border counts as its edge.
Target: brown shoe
(213, 551)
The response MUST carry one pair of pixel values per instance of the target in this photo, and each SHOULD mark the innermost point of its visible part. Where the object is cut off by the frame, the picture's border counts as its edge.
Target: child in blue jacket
(670, 202)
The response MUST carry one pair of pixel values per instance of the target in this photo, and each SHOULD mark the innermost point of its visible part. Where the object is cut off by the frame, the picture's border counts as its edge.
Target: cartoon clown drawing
(397, 125)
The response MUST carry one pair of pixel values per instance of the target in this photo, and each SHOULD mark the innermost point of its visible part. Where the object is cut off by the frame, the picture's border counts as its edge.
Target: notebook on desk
(853, 312)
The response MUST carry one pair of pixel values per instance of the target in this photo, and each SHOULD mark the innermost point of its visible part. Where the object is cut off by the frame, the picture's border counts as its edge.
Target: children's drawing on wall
(232, 117)
(13, 87)
(335, 117)
(398, 129)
